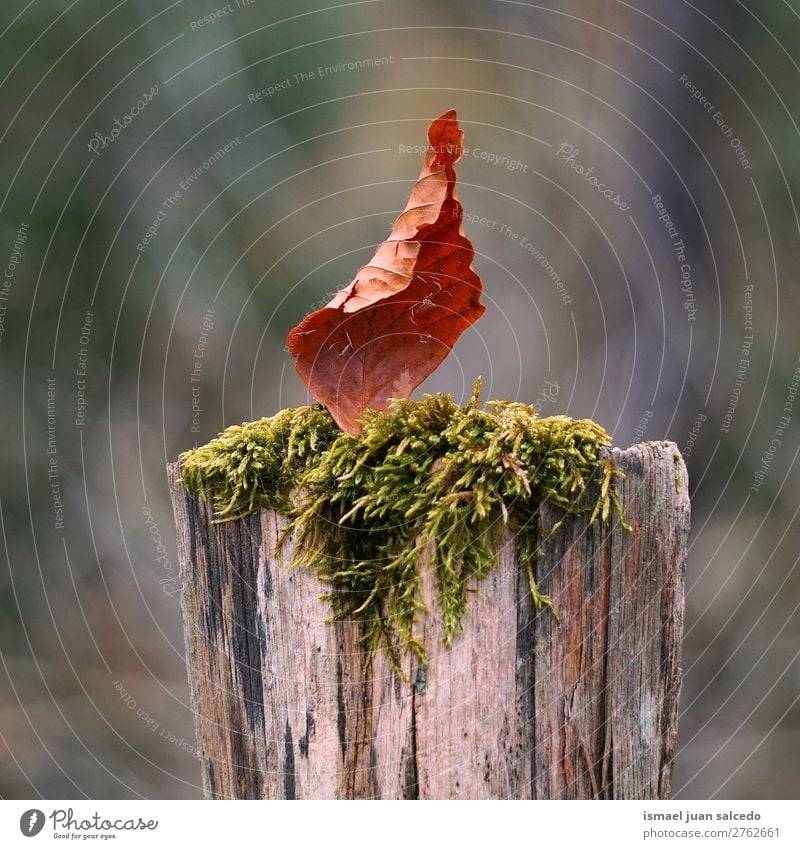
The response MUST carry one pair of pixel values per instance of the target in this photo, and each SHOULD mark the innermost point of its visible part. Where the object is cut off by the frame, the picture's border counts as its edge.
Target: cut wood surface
(523, 705)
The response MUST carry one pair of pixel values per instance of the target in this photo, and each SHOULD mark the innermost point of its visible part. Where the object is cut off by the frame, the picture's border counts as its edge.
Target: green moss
(428, 479)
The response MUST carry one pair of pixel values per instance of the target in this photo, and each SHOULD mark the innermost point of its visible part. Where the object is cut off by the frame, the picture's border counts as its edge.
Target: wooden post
(522, 706)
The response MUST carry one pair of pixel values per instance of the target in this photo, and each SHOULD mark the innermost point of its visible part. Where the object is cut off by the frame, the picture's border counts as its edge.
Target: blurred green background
(195, 173)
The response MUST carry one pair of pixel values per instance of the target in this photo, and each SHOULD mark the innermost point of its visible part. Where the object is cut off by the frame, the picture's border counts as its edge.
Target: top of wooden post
(520, 705)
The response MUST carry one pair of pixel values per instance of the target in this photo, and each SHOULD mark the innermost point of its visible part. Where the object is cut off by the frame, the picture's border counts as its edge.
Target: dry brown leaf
(382, 335)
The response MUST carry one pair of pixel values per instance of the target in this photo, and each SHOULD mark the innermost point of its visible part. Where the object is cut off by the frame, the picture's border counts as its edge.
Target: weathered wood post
(522, 706)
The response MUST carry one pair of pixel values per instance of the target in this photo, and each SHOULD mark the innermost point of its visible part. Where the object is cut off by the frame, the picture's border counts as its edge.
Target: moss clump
(428, 479)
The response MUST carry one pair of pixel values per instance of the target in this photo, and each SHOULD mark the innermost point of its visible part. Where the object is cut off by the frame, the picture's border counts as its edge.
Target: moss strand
(430, 480)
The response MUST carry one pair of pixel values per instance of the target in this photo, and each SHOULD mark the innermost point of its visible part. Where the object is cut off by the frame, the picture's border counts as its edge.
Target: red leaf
(382, 335)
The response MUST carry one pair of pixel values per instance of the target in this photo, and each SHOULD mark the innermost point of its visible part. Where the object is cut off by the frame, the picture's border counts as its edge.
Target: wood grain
(523, 705)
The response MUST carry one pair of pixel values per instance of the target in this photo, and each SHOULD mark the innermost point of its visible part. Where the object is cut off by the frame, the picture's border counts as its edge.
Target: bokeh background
(198, 175)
